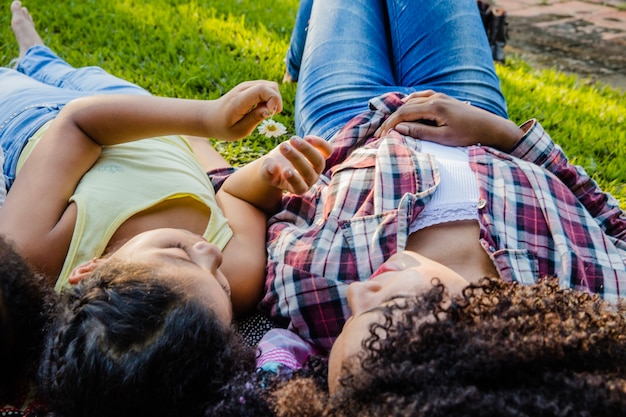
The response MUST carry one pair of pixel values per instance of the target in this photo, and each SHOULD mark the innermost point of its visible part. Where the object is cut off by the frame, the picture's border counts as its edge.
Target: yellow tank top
(126, 180)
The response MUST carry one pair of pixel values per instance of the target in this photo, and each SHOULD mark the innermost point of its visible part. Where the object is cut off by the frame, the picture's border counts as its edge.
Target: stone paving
(583, 37)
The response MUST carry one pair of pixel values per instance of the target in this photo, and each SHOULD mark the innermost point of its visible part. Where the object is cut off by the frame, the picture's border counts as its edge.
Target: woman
(498, 349)
(140, 223)
(427, 178)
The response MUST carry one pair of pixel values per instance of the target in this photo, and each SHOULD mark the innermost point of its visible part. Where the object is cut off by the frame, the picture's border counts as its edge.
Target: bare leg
(24, 28)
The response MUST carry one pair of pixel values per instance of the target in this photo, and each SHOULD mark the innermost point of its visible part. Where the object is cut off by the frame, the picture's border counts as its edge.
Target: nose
(206, 254)
(363, 296)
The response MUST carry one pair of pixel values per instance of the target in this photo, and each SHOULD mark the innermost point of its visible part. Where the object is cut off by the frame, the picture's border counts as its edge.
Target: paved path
(586, 37)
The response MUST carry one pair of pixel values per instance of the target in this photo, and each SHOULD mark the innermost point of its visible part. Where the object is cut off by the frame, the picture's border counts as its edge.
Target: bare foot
(287, 78)
(24, 28)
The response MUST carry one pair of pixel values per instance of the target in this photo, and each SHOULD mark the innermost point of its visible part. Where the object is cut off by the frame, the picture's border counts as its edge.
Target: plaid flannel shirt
(539, 215)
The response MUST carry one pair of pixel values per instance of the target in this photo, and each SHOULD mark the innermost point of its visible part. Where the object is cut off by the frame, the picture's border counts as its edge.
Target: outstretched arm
(35, 215)
(113, 119)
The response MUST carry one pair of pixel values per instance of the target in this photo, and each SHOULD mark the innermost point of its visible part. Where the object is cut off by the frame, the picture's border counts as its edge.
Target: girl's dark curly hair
(500, 349)
(23, 308)
(125, 343)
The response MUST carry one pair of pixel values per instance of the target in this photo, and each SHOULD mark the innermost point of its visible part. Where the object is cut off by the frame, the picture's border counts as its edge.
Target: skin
(190, 262)
(405, 274)
(452, 122)
(72, 144)
(449, 251)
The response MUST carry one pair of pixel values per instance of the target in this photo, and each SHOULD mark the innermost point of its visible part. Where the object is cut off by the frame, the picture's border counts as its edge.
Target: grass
(202, 48)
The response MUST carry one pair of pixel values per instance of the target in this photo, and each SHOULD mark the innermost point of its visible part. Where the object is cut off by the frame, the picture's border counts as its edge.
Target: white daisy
(272, 129)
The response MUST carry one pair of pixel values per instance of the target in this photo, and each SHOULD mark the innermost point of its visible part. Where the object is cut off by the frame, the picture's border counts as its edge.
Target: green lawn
(200, 49)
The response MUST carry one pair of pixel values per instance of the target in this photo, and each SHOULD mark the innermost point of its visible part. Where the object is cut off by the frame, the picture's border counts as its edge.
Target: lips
(387, 267)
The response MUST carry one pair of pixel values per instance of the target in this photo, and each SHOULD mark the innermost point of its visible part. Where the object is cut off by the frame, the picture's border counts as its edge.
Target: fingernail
(271, 103)
(266, 114)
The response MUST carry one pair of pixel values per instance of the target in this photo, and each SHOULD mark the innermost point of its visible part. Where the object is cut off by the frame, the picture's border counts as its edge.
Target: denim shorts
(35, 92)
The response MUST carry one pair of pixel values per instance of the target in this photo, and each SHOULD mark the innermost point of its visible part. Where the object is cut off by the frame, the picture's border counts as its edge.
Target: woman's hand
(240, 110)
(439, 118)
(296, 165)
(292, 166)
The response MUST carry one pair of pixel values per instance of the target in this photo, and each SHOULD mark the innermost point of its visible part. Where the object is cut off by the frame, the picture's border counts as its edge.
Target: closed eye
(227, 290)
(182, 246)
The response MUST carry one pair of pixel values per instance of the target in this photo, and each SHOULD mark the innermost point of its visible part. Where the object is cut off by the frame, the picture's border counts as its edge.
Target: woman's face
(404, 274)
(189, 262)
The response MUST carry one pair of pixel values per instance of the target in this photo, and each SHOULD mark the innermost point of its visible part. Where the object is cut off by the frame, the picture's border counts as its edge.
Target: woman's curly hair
(499, 349)
(125, 343)
(24, 303)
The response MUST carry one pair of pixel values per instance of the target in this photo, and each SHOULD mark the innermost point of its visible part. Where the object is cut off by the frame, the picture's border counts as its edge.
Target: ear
(83, 270)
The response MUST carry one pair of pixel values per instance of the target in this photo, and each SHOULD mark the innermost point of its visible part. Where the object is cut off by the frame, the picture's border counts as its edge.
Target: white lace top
(456, 196)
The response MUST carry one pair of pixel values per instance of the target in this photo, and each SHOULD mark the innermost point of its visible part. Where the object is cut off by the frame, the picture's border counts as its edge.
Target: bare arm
(35, 213)
(292, 166)
(248, 196)
(207, 155)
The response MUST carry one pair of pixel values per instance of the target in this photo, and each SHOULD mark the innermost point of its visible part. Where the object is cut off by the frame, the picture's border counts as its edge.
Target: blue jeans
(37, 90)
(3, 189)
(353, 50)
(298, 38)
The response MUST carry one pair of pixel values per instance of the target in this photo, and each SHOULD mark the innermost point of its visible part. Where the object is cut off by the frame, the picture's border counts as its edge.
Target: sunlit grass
(201, 49)
(587, 120)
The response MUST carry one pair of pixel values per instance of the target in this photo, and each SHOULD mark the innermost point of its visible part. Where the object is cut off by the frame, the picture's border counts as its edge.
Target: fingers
(261, 96)
(305, 160)
(248, 104)
(419, 94)
(307, 163)
(414, 113)
(418, 130)
(423, 107)
(321, 145)
(285, 178)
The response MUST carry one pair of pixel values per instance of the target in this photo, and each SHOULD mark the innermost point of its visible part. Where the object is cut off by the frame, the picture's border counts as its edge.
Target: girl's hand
(439, 118)
(239, 111)
(295, 165)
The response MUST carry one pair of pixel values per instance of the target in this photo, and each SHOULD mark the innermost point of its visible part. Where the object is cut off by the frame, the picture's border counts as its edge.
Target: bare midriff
(455, 245)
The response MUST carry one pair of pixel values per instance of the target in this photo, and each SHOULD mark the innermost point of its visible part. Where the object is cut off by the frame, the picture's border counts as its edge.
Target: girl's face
(188, 260)
(404, 274)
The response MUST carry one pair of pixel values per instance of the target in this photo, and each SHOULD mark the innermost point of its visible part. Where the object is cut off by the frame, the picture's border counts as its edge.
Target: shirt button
(481, 203)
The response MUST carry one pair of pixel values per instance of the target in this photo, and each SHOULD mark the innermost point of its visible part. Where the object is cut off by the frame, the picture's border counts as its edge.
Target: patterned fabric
(281, 348)
(538, 215)
(253, 327)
